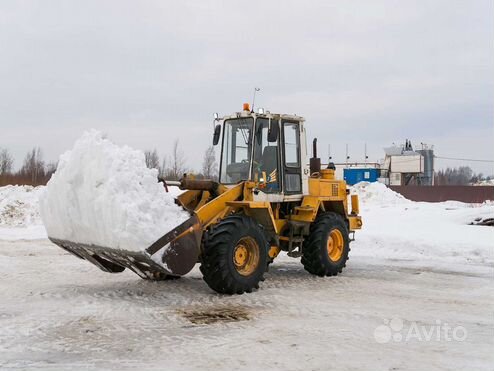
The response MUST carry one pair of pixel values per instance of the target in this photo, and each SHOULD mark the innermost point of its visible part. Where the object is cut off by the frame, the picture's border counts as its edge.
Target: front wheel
(326, 251)
(234, 256)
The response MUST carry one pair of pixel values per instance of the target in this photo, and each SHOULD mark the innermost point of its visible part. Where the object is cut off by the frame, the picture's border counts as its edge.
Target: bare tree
(177, 163)
(33, 166)
(462, 175)
(209, 168)
(51, 167)
(152, 159)
(6, 162)
(163, 170)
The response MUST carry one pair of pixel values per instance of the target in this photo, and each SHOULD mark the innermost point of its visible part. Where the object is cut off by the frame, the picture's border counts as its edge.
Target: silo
(427, 178)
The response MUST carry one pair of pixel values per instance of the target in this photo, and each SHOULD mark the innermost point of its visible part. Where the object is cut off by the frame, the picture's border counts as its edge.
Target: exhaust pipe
(315, 162)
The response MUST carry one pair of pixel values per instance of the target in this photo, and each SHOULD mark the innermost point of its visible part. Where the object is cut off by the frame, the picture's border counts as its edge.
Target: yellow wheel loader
(267, 200)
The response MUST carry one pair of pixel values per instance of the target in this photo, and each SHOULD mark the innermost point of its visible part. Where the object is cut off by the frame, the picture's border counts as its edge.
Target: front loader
(267, 200)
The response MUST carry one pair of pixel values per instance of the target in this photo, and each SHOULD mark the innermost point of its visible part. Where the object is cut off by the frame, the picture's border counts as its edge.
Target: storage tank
(427, 178)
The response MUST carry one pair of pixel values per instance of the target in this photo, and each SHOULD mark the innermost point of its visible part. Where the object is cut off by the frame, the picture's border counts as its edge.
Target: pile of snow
(19, 206)
(377, 194)
(104, 194)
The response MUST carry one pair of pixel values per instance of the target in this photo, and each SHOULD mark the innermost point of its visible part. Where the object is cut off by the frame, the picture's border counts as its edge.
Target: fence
(470, 194)
(16, 179)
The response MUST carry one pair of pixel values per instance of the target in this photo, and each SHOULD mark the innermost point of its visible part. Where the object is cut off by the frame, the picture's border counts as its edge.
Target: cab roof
(267, 114)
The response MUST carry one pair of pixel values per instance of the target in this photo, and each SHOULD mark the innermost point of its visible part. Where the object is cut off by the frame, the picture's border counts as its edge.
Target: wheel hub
(246, 256)
(240, 255)
(335, 245)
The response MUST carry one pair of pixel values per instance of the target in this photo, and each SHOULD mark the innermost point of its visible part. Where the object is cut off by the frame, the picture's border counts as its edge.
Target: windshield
(235, 158)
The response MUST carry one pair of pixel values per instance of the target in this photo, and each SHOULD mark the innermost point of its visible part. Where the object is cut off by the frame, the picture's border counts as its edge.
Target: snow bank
(104, 194)
(19, 206)
(378, 194)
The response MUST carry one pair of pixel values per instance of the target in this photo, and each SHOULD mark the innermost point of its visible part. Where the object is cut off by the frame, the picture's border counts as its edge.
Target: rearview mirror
(216, 135)
(273, 131)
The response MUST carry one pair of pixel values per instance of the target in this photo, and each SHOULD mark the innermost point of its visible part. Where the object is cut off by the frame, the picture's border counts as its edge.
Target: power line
(462, 159)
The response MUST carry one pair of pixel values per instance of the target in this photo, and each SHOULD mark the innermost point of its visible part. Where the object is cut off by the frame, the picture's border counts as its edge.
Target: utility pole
(347, 157)
(365, 154)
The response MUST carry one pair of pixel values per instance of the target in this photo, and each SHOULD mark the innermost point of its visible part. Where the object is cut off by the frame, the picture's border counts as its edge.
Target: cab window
(236, 152)
(291, 149)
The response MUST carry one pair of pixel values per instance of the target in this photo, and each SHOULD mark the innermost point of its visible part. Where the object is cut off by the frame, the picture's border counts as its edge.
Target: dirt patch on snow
(221, 314)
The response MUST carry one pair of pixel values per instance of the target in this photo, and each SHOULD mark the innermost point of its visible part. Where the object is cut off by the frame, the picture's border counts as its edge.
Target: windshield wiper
(243, 130)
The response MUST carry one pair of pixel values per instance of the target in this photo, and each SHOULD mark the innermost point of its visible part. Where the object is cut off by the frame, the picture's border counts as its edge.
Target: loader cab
(268, 149)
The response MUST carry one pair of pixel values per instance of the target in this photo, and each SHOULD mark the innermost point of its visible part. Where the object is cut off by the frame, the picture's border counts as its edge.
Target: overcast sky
(148, 72)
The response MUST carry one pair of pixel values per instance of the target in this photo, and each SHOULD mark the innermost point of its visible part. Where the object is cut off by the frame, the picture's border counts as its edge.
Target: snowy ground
(420, 265)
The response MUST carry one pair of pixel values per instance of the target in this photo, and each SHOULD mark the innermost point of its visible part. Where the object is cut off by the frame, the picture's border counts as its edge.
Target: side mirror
(216, 116)
(273, 131)
(216, 135)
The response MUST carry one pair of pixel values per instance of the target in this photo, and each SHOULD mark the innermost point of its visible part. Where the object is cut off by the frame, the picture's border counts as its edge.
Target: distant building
(402, 165)
(356, 172)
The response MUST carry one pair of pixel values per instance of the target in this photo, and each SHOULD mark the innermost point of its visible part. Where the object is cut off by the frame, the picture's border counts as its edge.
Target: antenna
(329, 153)
(254, 97)
(365, 153)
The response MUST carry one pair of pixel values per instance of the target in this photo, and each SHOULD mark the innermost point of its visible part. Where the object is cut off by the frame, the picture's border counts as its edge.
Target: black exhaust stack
(315, 162)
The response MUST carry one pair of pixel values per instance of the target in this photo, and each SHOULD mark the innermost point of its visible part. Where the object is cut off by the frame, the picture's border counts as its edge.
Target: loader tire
(326, 251)
(234, 255)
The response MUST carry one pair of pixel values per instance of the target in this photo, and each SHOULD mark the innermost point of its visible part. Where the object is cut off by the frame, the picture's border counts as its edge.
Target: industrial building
(402, 165)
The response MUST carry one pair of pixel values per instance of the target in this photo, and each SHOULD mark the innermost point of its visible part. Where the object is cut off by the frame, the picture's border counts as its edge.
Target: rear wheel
(234, 256)
(326, 251)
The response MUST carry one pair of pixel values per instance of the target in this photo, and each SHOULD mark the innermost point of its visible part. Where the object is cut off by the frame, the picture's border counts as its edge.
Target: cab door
(292, 161)
(266, 158)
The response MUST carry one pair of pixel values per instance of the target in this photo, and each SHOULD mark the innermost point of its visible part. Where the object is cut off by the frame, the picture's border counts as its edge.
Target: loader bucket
(175, 253)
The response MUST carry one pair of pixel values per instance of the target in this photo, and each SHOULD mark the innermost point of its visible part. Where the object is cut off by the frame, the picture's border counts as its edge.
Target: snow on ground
(419, 264)
(104, 194)
(486, 182)
(395, 227)
(19, 206)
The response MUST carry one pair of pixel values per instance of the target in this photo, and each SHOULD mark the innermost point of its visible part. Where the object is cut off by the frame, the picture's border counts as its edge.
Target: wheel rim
(246, 256)
(335, 245)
